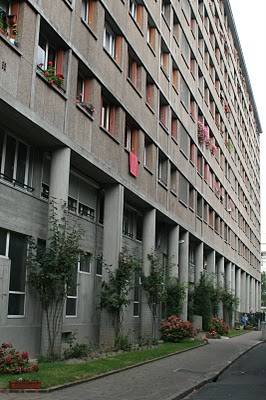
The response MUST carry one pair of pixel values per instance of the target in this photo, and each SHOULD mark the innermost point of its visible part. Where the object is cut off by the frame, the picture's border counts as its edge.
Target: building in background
(140, 116)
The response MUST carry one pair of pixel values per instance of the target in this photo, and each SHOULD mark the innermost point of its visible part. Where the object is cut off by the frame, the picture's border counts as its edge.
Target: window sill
(173, 192)
(166, 21)
(184, 154)
(109, 134)
(6, 39)
(150, 107)
(113, 60)
(82, 109)
(163, 184)
(89, 28)
(69, 4)
(137, 25)
(174, 140)
(165, 73)
(164, 127)
(183, 204)
(152, 49)
(148, 169)
(134, 87)
(60, 91)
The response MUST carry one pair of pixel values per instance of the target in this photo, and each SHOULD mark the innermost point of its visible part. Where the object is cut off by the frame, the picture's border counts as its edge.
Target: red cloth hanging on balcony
(133, 164)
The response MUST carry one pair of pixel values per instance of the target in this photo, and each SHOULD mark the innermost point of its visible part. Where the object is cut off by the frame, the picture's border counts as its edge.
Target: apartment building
(138, 114)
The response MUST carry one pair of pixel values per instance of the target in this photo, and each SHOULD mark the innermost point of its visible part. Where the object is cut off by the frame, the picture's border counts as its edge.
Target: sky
(249, 17)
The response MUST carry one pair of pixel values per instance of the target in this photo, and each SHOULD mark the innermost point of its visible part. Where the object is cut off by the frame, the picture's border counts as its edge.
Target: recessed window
(82, 197)
(72, 296)
(88, 12)
(163, 168)
(84, 264)
(109, 40)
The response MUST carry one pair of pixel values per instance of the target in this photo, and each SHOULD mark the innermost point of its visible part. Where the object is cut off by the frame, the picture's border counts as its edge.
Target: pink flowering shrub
(213, 149)
(218, 325)
(174, 329)
(203, 133)
(14, 362)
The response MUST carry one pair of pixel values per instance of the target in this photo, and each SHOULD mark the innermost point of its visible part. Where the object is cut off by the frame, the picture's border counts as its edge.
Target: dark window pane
(21, 163)
(85, 263)
(71, 306)
(16, 304)
(17, 255)
(2, 242)
(10, 156)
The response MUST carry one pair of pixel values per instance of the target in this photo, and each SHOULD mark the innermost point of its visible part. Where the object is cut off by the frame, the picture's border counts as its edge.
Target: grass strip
(54, 374)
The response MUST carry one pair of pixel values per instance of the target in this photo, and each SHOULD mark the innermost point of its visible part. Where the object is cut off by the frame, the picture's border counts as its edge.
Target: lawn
(53, 374)
(236, 332)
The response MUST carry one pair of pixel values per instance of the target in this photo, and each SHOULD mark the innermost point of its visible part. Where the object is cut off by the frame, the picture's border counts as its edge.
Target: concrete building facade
(140, 116)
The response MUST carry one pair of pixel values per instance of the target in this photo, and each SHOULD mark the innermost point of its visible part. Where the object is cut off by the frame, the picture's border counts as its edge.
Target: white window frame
(133, 7)
(109, 41)
(89, 255)
(105, 117)
(73, 297)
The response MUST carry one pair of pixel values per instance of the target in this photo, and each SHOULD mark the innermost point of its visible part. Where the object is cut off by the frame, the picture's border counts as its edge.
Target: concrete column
(211, 265)
(252, 293)
(173, 250)
(199, 260)
(58, 192)
(220, 281)
(5, 264)
(183, 268)
(243, 292)
(257, 296)
(238, 287)
(112, 244)
(248, 297)
(233, 279)
(228, 276)
(148, 246)
(59, 179)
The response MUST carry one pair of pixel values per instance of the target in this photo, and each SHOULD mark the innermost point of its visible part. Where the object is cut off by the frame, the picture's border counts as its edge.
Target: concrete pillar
(183, 268)
(59, 179)
(238, 287)
(173, 250)
(263, 331)
(199, 260)
(252, 293)
(211, 265)
(112, 244)
(248, 300)
(228, 276)
(233, 279)
(259, 297)
(148, 246)
(220, 281)
(257, 303)
(243, 292)
(58, 192)
(5, 264)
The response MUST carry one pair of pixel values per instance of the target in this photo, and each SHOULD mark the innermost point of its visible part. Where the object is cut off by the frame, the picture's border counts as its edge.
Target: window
(9, 13)
(128, 219)
(72, 296)
(149, 153)
(132, 223)
(112, 43)
(163, 168)
(88, 12)
(131, 138)
(136, 10)
(150, 89)
(176, 29)
(184, 94)
(16, 161)
(84, 264)
(199, 205)
(99, 265)
(134, 69)
(191, 197)
(186, 9)
(183, 139)
(84, 92)
(164, 58)
(183, 189)
(174, 126)
(199, 163)
(136, 295)
(163, 112)
(82, 197)
(46, 166)
(175, 76)
(185, 50)
(151, 32)
(108, 116)
(51, 53)
(166, 11)
(173, 181)
(16, 248)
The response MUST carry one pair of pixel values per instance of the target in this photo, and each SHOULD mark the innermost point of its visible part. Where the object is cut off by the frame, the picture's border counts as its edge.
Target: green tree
(175, 294)
(263, 289)
(114, 295)
(51, 270)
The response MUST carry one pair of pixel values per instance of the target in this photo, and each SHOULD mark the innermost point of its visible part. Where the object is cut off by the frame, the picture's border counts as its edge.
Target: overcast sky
(250, 23)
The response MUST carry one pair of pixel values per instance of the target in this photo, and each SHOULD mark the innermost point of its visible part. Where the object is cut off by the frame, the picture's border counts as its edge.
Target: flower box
(25, 384)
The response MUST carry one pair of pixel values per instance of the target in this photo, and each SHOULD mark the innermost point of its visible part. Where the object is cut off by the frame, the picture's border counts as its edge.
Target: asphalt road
(244, 380)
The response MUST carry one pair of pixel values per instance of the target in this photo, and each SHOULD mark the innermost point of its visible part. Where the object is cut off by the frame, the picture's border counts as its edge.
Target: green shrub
(174, 329)
(122, 342)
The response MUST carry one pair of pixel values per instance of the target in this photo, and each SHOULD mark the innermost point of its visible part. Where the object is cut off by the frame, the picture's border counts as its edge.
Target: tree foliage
(51, 270)
(175, 294)
(263, 289)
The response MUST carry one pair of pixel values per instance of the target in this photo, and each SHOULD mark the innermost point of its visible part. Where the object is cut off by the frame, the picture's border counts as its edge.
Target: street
(244, 380)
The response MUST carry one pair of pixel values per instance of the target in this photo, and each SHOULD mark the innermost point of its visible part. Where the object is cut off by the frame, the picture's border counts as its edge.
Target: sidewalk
(170, 378)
